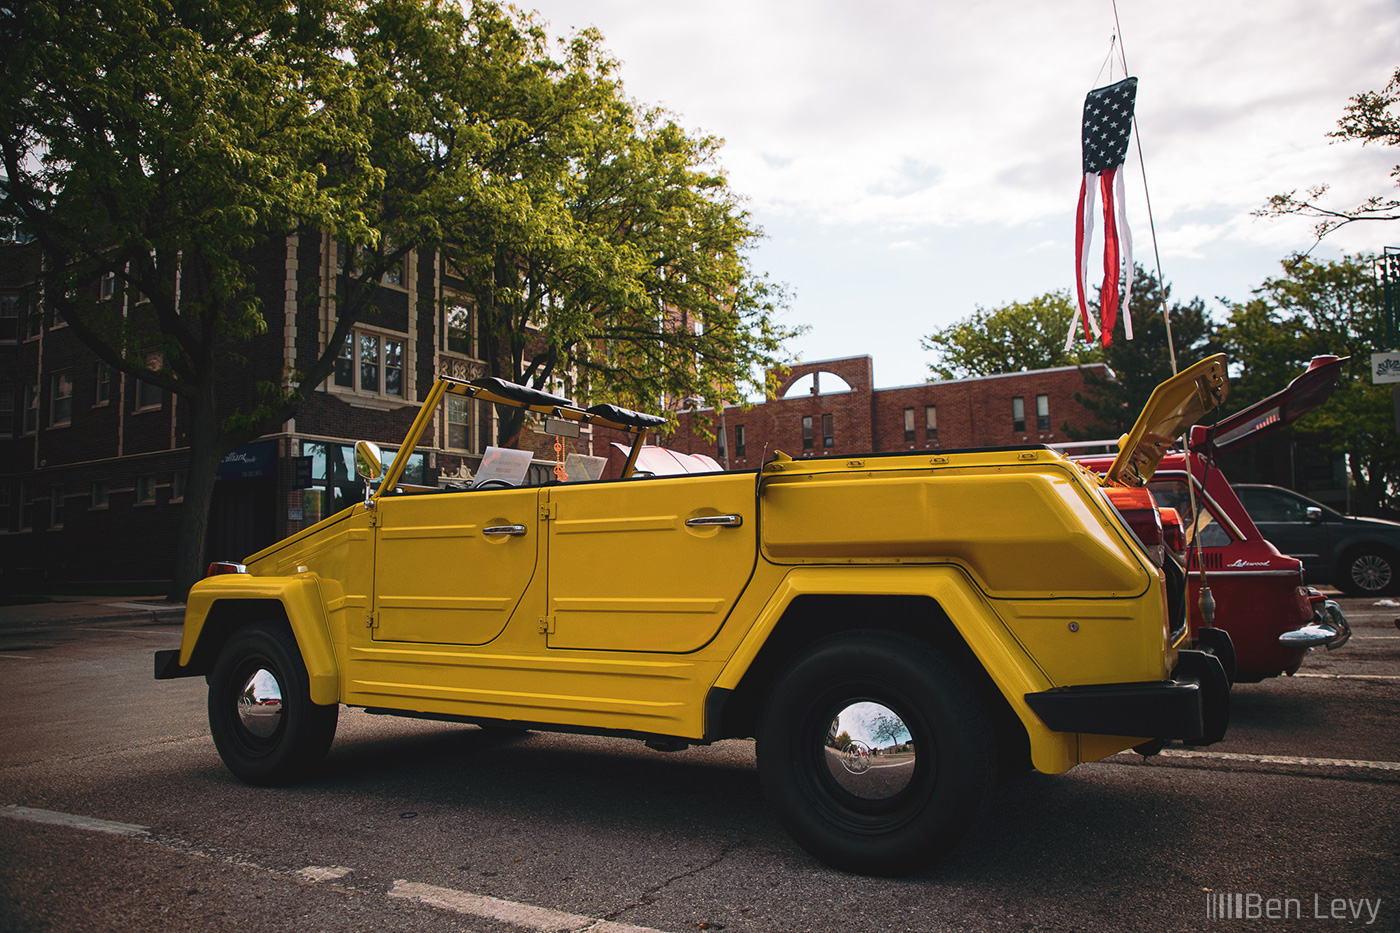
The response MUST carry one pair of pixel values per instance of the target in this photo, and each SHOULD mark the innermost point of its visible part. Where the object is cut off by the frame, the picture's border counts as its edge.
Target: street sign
(1385, 367)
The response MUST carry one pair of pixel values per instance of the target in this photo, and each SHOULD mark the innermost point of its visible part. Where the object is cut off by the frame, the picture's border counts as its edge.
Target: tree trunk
(205, 454)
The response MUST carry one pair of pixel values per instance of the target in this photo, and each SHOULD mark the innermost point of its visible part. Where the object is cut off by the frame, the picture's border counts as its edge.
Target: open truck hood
(1175, 405)
(1300, 396)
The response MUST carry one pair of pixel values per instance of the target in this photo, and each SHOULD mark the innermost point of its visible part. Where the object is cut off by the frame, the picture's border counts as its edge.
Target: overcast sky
(910, 160)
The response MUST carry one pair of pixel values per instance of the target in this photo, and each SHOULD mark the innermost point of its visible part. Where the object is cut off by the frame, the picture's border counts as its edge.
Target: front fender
(300, 598)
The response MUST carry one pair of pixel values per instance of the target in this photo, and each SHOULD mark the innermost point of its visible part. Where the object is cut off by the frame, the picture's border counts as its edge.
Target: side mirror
(1314, 515)
(369, 464)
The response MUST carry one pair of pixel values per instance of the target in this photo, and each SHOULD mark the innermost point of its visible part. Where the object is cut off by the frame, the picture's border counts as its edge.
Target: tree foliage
(1312, 309)
(618, 266)
(163, 142)
(1015, 337)
(1371, 117)
(1139, 365)
(159, 143)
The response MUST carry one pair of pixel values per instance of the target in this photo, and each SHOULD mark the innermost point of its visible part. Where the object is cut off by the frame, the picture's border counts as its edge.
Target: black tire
(259, 744)
(890, 830)
(1367, 572)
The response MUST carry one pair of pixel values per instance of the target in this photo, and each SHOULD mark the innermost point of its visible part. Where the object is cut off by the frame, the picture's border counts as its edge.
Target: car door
(1282, 519)
(648, 565)
(451, 568)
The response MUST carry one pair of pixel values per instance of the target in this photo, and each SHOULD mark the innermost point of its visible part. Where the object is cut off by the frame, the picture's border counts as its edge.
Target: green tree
(1371, 117)
(1138, 366)
(618, 268)
(164, 141)
(1317, 308)
(1015, 337)
(160, 142)
(888, 730)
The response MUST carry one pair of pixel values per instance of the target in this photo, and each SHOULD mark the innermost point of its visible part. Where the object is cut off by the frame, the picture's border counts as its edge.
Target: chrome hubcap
(869, 751)
(260, 704)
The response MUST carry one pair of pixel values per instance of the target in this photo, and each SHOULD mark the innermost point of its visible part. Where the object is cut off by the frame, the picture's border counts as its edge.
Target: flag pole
(1151, 224)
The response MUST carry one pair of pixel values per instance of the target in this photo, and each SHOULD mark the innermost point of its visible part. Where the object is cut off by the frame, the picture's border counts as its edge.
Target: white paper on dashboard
(505, 464)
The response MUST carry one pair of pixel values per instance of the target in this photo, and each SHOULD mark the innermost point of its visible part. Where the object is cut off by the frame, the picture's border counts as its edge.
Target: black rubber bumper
(168, 665)
(1194, 706)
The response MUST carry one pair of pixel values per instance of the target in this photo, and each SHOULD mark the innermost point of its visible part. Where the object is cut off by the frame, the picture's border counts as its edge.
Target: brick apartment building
(92, 463)
(831, 408)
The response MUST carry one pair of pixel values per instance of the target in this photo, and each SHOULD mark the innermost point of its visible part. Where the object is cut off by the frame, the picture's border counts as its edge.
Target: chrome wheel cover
(260, 704)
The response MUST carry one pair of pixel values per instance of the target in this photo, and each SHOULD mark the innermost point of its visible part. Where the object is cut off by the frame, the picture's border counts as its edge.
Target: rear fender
(1013, 671)
(300, 598)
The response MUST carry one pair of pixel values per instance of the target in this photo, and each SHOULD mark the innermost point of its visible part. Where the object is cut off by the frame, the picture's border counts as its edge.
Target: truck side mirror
(368, 465)
(368, 461)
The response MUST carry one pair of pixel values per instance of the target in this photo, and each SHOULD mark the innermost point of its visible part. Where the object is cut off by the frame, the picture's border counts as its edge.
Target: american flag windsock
(1108, 124)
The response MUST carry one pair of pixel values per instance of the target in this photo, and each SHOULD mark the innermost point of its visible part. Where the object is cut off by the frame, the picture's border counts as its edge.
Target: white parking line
(55, 818)
(540, 919)
(17, 657)
(317, 873)
(1352, 676)
(1282, 759)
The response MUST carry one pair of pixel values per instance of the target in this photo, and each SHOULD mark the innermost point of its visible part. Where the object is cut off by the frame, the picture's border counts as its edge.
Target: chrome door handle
(514, 531)
(723, 521)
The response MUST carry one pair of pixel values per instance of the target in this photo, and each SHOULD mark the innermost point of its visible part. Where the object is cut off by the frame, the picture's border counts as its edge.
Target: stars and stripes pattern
(1108, 125)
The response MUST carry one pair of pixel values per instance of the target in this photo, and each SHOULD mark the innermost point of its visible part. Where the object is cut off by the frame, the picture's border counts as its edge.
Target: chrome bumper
(1329, 627)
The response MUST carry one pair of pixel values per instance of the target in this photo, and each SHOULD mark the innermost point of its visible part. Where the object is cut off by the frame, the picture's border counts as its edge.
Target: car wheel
(876, 752)
(1369, 572)
(265, 726)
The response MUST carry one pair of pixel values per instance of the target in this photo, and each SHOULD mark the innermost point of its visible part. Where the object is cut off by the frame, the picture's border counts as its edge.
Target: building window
(99, 494)
(931, 423)
(371, 363)
(177, 487)
(26, 507)
(1042, 412)
(9, 317)
(104, 385)
(828, 432)
(1018, 414)
(807, 442)
(908, 425)
(148, 395)
(55, 508)
(109, 285)
(394, 275)
(4, 508)
(740, 449)
(459, 422)
(60, 399)
(34, 320)
(31, 408)
(7, 410)
(145, 490)
(458, 321)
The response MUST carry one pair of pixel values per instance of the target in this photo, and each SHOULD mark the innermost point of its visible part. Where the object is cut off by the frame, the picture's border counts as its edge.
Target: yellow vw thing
(893, 629)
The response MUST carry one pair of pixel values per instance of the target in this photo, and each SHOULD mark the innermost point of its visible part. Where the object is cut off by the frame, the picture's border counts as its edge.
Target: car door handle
(723, 521)
(512, 530)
